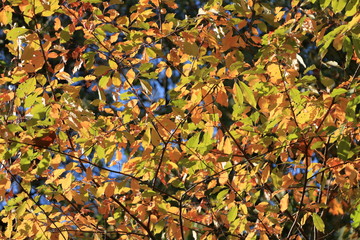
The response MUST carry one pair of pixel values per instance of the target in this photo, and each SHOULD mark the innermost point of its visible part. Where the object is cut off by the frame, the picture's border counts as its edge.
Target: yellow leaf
(244, 209)
(55, 175)
(275, 74)
(212, 184)
(304, 218)
(113, 64)
(90, 77)
(100, 191)
(279, 16)
(294, 3)
(227, 146)
(284, 203)
(167, 27)
(250, 236)
(111, 221)
(56, 160)
(9, 228)
(64, 235)
(187, 69)
(168, 72)
(130, 76)
(224, 176)
(66, 182)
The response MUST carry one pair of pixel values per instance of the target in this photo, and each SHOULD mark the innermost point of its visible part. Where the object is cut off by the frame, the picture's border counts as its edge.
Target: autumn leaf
(284, 203)
(160, 119)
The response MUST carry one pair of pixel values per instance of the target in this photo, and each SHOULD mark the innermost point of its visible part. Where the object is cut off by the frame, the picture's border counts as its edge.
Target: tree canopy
(164, 119)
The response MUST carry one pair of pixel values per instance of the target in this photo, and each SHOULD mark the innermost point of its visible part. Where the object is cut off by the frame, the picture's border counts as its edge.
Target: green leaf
(104, 80)
(327, 82)
(351, 112)
(328, 39)
(44, 163)
(316, 145)
(65, 36)
(193, 141)
(295, 95)
(312, 67)
(21, 209)
(110, 28)
(232, 214)
(100, 151)
(356, 42)
(220, 196)
(149, 193)
(191, 49)
(318, 222)
(25, 160)
(210, 59)
(101, 70)
(145, 85)
(339, 6)
(348, 48)
(337, 92)
(26, 87)
(344, 148)
(30, 100)
(355, 216)
(324, 3)
(206, 143)
(14, 128)
(248, 94)
(351, 7)
(159, 226)
(239, 98)
(150, 52)
(144, 67)
(14, 33)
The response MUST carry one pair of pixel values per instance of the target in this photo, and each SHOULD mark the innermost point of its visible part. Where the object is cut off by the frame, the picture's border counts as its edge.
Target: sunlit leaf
(318, 222)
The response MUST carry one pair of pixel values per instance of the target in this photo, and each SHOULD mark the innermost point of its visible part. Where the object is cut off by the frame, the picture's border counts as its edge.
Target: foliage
(133, 121)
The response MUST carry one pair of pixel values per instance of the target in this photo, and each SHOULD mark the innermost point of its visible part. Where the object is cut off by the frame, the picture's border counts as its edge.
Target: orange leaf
(336, 207)
(52, 55)
(57, 24)
(261, 207)
(109, 190)
(265, 173)
(222, 97)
